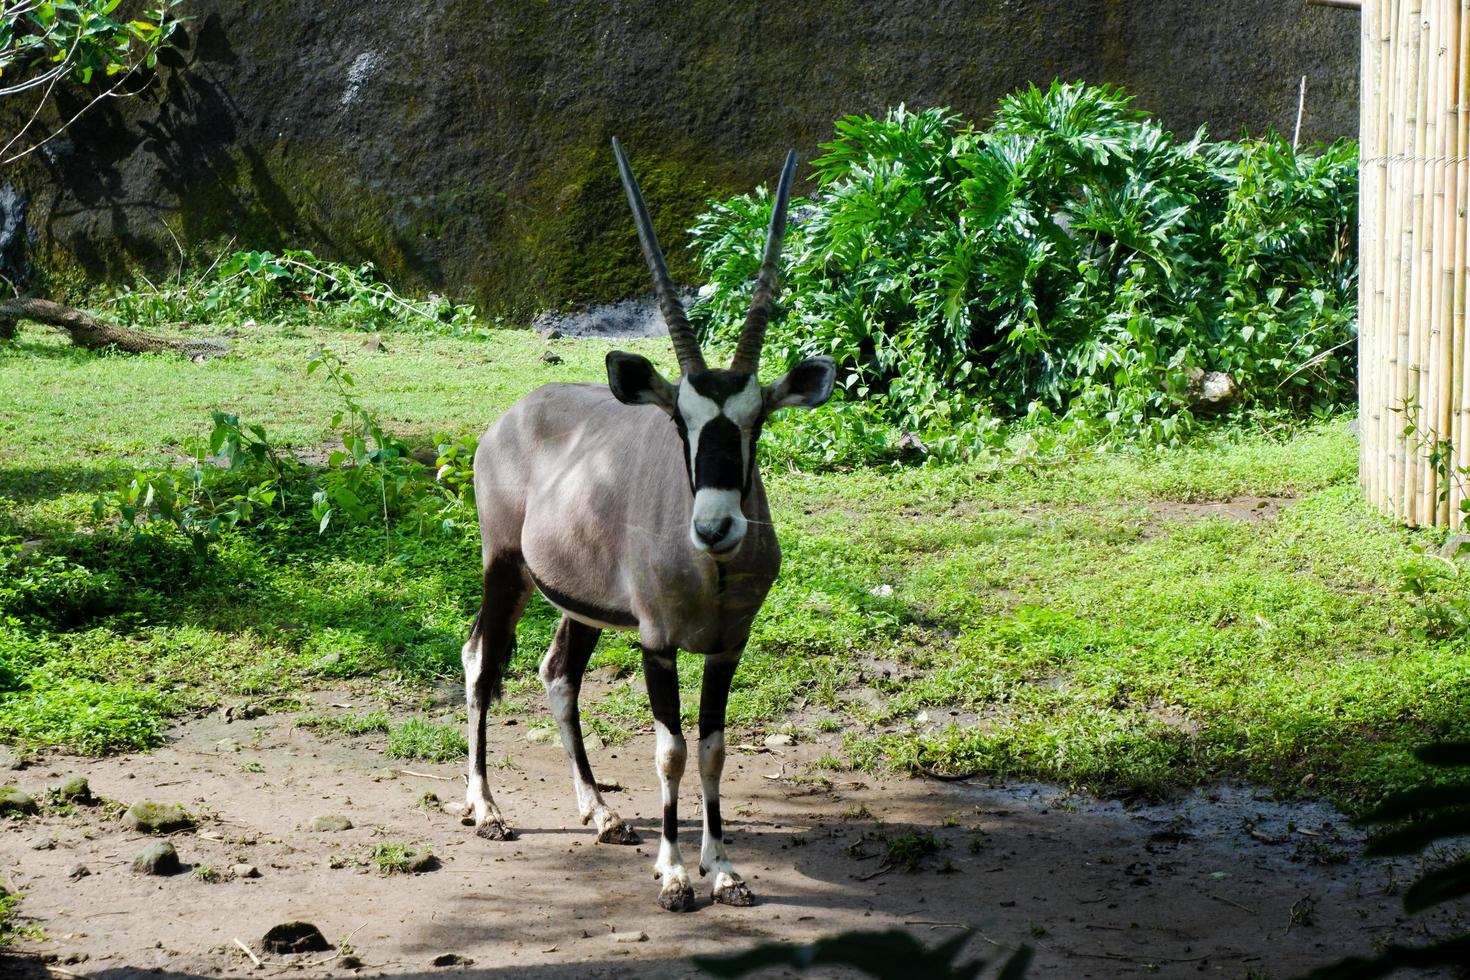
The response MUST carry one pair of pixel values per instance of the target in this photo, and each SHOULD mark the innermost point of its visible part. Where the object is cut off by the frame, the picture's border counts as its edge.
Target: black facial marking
(683, 428)
(721, 457)
(718, 385)
(755, 437)
(591, 610)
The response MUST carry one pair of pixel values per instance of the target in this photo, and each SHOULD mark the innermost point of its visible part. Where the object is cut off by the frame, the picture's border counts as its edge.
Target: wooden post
(1414, 242)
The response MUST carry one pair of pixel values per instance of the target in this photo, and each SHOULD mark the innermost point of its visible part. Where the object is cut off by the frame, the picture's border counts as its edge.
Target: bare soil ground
(1220, 883)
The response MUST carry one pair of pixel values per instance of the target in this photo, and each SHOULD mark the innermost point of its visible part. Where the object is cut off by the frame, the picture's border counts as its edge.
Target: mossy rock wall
(463, 146)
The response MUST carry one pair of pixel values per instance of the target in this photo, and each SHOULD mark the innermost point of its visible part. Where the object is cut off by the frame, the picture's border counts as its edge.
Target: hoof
(495, 830)
(677, 898)
(734, 893)
(618, 833)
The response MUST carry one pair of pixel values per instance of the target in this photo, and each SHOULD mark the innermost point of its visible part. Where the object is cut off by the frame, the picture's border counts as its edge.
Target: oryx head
(718, 411)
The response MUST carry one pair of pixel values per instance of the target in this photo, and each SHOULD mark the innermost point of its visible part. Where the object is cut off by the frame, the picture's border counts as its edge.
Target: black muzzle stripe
(720, 462)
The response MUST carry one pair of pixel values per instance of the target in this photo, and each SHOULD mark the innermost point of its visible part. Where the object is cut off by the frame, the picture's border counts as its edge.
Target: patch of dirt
(1243, 508)
(1204, 885)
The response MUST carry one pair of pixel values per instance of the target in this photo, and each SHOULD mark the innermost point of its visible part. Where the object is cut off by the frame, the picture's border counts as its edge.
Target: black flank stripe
(601, 614)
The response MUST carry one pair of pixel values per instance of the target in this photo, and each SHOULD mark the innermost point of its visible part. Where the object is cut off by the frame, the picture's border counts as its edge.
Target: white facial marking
(696, 410)
(743, 406)
(713, 506)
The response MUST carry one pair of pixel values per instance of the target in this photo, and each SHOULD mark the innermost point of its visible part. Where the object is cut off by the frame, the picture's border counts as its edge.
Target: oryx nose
(712, 532)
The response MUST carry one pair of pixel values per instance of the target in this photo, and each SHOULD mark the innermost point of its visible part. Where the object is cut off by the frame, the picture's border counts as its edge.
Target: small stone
(778, 741)
(594, 743)
(451, 959)
(74, 790)
(881, 591)
(329, 823)
(13, 800)
(456, 808)
(422, 861)
(1456, 546)
(9, 758)
(909, 442)
(78, 872)
(373, 344)
(378, 775)
(326, 662)
(551, 333)
(158, 858)
(227, 745)
(540, 736)
(550, 357)
(245, 871)
(629, 937)
(295, 937)
(147, 817)
(42, 843)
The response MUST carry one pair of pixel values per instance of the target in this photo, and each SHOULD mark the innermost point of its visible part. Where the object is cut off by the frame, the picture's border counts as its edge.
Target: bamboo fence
(1414, 180)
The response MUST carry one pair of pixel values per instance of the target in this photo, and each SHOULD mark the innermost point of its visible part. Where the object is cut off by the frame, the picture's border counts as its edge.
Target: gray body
(579, 484)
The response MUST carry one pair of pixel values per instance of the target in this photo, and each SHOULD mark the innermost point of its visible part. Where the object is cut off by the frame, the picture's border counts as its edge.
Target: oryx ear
(635, 381)
(807, 385)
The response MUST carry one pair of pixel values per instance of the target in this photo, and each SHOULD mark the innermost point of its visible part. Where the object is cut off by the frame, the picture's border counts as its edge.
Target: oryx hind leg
(561, 672)
(485, 655)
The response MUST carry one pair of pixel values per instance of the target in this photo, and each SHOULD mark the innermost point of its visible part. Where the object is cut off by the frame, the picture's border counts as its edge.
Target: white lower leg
(713, 860)
(671, 755)
(477, 791)
(590, 805)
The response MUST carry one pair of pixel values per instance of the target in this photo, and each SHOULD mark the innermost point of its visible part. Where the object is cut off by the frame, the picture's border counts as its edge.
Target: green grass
(1080, 619)
(418, 739)
(395, 857)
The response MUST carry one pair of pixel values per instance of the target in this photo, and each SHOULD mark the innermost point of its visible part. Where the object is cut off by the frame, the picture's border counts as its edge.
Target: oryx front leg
(729, 887)
(484, 656)
(660, 672)
(561, 672)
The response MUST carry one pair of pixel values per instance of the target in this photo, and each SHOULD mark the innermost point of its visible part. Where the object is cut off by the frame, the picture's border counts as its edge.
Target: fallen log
(87, 331)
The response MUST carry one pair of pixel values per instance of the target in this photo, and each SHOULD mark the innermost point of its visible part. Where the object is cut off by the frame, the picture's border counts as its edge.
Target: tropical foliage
(1071, 259)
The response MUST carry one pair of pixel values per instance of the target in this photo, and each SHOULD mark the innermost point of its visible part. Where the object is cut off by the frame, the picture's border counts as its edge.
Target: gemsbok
(637, 506)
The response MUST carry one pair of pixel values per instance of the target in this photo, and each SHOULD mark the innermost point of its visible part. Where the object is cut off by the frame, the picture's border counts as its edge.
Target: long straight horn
(753, 335)
(686, 345)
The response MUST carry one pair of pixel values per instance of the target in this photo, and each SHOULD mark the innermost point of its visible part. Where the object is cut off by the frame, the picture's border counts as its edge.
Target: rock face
(463, 146)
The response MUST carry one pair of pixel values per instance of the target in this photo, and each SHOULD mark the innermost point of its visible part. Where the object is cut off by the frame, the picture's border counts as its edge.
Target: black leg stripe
(671, 822)
(712, 817)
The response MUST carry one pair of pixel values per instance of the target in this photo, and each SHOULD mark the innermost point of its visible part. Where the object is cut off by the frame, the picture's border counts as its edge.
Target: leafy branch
(44, 43)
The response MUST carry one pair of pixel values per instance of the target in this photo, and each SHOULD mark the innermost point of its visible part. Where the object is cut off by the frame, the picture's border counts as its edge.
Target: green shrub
(88, 716)
(1074, 259)
(293, 285)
